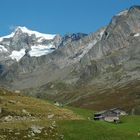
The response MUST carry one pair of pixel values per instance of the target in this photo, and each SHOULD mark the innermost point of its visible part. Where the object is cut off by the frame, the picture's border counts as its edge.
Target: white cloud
(12, 27)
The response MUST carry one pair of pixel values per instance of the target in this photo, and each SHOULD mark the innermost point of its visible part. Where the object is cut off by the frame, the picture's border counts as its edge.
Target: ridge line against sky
(59, 16)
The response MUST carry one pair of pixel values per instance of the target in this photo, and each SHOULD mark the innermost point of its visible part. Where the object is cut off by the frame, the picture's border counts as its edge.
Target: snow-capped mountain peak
(37, 34)
(23, 40)
(24, 29)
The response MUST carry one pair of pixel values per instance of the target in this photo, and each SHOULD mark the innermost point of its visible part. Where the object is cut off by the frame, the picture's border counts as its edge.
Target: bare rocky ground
(32, 133)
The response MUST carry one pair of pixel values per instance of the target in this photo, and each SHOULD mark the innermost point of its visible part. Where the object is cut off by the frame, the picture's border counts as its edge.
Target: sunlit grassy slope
(29, 118)
(127, 129)
(71, 123)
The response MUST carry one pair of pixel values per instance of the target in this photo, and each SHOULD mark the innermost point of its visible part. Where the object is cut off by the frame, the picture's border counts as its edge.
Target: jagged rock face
(106, 59)
(68, 38)
(119, 46)
(54, 66)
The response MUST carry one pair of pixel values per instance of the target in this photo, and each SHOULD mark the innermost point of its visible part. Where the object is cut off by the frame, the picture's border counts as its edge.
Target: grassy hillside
(127, 97)
(29, 118)
(95, 97)
(128, 129)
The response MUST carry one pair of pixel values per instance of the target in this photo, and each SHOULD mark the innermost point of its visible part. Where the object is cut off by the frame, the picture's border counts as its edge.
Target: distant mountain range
(98, 70)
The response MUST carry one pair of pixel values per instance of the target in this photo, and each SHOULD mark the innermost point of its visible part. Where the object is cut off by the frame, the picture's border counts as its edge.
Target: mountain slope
(53, 66)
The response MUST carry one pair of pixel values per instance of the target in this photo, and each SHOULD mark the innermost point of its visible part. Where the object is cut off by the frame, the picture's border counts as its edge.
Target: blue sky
(59, 16)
